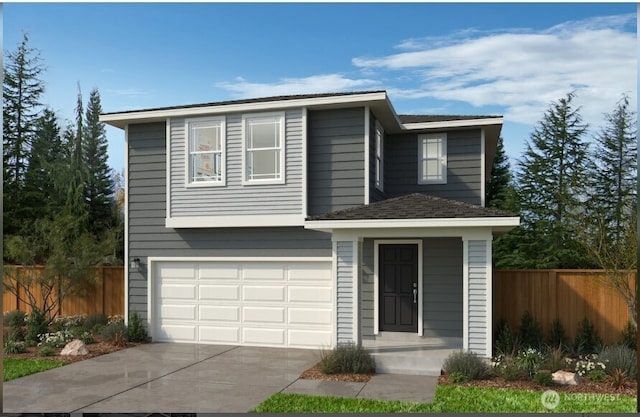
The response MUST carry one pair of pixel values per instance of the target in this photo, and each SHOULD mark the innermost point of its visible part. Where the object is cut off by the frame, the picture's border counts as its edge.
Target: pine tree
(22, 89)
(552, 187)
(500, 181)
(75, 204)
(98, 184)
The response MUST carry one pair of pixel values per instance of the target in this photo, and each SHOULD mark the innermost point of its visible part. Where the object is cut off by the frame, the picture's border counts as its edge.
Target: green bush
(508, 367)
(466, 363)
(46, 350)
(115, 333)
(557, 335)
(597, 375)
(505, 342)
(348, 358)
(629, 335)
(543, 378)
(530, 360)
(67, 322)
(14, 318)
(530, 332)
(94, 320)
(36, 324)
(619, 357)
(458, 378)
(136, 331)
(554, 359)
(13, 347)
(82, 334)
(587, 339)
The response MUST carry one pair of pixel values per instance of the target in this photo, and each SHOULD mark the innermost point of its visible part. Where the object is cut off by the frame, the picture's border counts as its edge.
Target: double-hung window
(432, 158)
(379, 149)
(264, 148)
(206, 151)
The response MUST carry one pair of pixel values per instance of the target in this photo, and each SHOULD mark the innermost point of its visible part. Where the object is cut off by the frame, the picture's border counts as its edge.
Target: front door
(398, 288)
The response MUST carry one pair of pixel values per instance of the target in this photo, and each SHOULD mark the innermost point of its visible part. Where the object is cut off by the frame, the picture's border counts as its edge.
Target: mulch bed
(315, 373)
(95, 349)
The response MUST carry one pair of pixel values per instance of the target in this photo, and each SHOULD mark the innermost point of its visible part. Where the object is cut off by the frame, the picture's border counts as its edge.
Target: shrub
(530, 360)
(620, 357)
(115, 333)
(543, 378)
(597, 375)
(587, 339)
(67, 322)
(12, 347)
(619, 379)
(14, 319)
(557, 335)
(81, 334)
(586, 364)
(530, 333)
(94, 320)
(466, 363)
(348, 358)
(136, 331)
(458, 378)
(508, 367)
(55, 339)
(46, 350)
(505, 342)
(554, 359)
(36, 324)
(629, 334)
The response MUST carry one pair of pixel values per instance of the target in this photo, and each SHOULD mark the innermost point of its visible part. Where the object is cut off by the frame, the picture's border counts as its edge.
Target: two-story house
(309, 220)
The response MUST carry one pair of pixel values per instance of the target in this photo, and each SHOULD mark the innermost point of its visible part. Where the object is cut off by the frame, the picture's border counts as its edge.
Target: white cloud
(306, 85)
(520, 70)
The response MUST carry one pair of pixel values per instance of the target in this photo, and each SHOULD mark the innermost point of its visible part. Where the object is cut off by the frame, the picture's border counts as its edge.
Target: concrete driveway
(161, 377)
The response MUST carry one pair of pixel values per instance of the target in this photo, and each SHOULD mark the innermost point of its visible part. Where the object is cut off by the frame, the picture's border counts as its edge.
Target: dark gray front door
(398, 288)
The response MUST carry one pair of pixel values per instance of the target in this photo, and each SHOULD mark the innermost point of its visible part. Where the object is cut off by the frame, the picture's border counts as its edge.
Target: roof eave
(498, 223)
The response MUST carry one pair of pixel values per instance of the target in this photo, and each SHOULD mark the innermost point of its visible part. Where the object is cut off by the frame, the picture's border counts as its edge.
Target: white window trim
(223, 153)
(245, 179)
(443, 157)
(379, 158)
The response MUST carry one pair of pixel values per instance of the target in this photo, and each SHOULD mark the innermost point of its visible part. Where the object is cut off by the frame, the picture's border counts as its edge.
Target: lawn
(15, 368)
(452, 399)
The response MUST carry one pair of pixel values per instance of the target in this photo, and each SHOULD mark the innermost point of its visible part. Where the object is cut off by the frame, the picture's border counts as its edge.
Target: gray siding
(148, 235)
(344, 291)
(374, 193)
(477, 293)
(335, 160)
(236, 198)
(464, 177)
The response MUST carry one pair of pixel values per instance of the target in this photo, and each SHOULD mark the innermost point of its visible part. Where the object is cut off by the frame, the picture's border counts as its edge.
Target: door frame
(376, 280)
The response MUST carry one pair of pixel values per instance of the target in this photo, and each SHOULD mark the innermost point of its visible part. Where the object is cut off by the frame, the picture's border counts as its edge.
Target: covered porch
(413, 279)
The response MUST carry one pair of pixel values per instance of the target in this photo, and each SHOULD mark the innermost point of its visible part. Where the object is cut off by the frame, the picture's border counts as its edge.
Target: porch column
(346, 256)
(477, 299)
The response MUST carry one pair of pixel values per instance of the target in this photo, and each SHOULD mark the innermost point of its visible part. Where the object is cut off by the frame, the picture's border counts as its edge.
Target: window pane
(206, 167)
(264, 134)
(264, 164)
(205, 138)
(433, 149)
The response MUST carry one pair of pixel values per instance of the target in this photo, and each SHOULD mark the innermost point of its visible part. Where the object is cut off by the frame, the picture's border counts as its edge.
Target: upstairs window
(379, 170)
(206, 142)
(264, 148)
(432, 158)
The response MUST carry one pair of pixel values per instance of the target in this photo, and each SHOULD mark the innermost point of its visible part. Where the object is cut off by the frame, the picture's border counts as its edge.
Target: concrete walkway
(189, 378)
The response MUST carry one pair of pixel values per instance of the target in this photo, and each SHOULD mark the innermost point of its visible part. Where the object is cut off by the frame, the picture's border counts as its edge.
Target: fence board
(569, 295)
(106, 296)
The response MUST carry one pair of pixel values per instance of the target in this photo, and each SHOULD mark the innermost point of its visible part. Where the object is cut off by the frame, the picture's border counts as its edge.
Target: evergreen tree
(500, 181)
(552, 187)
(22, 89)
(75, 204)
(98, 185)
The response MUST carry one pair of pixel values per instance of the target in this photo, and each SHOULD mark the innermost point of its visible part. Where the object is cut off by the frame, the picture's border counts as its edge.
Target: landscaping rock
(566, 378)
(74, 348)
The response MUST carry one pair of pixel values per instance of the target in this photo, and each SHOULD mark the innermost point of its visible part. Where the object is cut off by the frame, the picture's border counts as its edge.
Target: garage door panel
(309, 338)
(212, 334)
(310, 294)
(264, 271)
(263, 315)
(178, 332)
(219, 292)
(178, 291)
(222, 271)
(178, 271)
(178, 312)
(263, 293)
(309, 271)
(219, 313)
(309, 316)
(263, 336)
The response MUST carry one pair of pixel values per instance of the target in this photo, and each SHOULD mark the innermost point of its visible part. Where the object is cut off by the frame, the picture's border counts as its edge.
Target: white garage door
(267, 303)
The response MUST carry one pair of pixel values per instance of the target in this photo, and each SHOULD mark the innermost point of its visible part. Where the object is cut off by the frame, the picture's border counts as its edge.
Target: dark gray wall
(464, 165)
(149, 237)
(335, 161)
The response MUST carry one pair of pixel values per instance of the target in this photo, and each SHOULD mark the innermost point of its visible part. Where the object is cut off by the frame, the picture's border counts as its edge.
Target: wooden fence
(569, 295)
(106, 296)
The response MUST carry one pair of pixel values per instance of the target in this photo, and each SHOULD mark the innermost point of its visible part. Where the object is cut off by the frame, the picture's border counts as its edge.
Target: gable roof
(414, 206)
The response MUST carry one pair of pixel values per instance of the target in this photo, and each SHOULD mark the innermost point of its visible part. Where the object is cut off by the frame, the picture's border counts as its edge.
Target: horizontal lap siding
(335, 160)
(148, 235)
(478, 297)
(236, 198)
(345, 280)
(464, 165)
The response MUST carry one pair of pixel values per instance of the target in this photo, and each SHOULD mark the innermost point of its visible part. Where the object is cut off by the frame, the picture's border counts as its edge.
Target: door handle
(415, 296)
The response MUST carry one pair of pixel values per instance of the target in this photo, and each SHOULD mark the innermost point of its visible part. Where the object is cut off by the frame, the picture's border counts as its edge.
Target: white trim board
(413, 223)
(279, 220)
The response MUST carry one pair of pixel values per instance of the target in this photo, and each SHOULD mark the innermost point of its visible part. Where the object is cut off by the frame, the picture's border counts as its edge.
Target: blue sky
(509, 59)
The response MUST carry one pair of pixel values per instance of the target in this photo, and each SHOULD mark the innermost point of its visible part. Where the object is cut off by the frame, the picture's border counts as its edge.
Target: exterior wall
(478, 298)
(148, 235)
(335, 160)
(464, 166)
(442, 288)
(374, 193)
(235, 198)
(344, 291)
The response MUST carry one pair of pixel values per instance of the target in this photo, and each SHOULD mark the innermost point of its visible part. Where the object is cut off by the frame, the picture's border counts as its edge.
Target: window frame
(379, 157)
(189, 177)
(423, 140)
(246, 120)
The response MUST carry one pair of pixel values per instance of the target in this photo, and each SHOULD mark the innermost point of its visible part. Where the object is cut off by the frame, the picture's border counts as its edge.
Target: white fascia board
(454, 123)
(121, 119)
(234, 221)
(413, 223)
(473, 233)
(155, 259)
